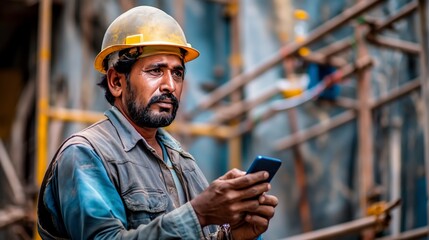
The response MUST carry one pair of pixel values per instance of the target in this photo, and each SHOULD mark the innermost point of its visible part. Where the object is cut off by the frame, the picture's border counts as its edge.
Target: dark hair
(124, 65)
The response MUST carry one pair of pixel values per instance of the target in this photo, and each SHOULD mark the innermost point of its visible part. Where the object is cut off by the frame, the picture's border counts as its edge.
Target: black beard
(143, 116)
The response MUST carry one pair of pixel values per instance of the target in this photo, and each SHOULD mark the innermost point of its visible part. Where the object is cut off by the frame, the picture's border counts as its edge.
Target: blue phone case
(264, 163)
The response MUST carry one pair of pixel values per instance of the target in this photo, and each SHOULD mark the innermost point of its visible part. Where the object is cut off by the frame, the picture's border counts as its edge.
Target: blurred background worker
(125, 177)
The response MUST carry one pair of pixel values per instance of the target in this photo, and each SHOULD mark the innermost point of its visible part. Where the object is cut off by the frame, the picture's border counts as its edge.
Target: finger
(244, 197)
(250, 206)
(233, 173)
(260, 222)
(249, 179)
(255, 191)
(264, 211)
(270, 200)
(249, 193)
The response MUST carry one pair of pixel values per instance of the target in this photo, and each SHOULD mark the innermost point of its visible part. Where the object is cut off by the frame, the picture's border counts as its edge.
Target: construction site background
(338, 90)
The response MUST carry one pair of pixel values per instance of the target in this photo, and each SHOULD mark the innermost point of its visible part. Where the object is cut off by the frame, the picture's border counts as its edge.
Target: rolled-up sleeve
(92, 208)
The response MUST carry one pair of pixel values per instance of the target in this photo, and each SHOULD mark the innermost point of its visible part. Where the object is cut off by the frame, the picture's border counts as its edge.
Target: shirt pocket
(144, 205)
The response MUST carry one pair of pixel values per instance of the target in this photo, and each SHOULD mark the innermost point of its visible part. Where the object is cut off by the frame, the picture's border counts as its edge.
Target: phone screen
(264, 163)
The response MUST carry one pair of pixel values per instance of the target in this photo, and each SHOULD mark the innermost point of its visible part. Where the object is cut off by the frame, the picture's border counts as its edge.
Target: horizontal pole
(396, 44)
(200, 129)
(239, 108)
(322, 59)
(409, 235)
(340, 229)
(401, 13)
(314, 131)
(74, 115)
(346, 102)
(196, 129)
(337, 47)
(396, 93)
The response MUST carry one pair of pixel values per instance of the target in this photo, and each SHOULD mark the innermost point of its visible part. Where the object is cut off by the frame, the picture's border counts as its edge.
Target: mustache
(173, 99)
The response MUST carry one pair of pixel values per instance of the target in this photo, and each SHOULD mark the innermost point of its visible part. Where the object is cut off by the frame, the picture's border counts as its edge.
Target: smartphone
(264, 163)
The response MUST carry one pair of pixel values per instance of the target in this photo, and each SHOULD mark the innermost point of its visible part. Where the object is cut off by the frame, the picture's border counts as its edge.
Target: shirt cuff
(187, 223)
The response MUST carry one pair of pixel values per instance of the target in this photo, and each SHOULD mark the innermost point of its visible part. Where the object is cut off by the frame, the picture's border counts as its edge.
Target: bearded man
(125, 177)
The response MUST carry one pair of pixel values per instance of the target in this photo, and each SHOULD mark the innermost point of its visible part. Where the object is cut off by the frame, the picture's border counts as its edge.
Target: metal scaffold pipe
(423, 35)
(376, 222)
(43, 71)
(348, 228)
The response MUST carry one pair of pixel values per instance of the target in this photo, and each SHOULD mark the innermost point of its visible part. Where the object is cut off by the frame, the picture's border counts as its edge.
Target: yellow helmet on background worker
(147, 27)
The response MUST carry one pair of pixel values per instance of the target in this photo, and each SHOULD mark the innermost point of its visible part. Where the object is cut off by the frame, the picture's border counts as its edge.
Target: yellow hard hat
(143, 26)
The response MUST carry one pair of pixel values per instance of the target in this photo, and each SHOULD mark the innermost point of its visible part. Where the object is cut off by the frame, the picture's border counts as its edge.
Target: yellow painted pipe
(44, 57)
(72, 115)
(42, 139)
(198, 129)
(43, 70)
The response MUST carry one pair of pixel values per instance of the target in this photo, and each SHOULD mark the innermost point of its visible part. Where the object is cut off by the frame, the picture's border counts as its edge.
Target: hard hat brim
(191, 53)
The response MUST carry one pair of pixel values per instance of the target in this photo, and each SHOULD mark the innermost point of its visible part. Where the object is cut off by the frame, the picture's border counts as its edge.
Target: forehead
(166, 59)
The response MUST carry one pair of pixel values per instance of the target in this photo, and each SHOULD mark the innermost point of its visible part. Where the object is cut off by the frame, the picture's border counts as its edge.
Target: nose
(168, 85)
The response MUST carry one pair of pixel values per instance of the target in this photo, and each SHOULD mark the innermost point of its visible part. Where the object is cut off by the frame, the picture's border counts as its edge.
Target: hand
(229, 198)
(256, 222)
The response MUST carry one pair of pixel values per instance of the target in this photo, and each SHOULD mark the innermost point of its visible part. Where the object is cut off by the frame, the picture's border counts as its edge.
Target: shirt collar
(168, 140)
(129, 135)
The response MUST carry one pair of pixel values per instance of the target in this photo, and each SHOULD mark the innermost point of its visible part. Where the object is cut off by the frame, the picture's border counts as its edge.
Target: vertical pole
(43, 69)
(395, 174)
(287, 16)
(234, 144)
(365, 134)
(423, 35)
(301, 177)
(179, 12)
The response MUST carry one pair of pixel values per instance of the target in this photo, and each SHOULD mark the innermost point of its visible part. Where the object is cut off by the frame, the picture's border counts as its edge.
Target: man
(125, 177)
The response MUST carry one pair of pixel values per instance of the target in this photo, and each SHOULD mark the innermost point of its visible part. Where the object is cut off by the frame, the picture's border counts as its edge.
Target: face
(153, 90)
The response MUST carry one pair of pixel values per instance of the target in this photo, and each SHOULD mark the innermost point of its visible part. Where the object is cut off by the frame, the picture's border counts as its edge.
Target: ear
(115, 81)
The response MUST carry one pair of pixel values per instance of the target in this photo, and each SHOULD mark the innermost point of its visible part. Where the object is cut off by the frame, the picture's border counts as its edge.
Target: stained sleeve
(92, 208)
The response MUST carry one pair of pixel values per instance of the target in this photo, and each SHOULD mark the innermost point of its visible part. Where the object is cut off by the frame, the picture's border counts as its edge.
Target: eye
(178, 74)
(154, 71)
